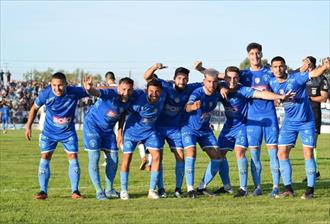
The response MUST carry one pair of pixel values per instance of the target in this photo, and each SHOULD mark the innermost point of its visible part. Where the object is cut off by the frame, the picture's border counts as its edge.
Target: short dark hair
(313, 62)
(232, 69)
(59, 75)
(154, 82)
(181, 70)
(110, 75)
(126, 80)
(253, 45)
(277, 58)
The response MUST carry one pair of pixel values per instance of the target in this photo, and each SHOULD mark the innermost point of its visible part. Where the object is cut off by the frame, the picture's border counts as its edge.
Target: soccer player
(170, 119)
(140, 127)
(4, 112)
(233, 135)
(196, 128)
(298, 119)
(61, 101)
(99, 135)
(318, 92)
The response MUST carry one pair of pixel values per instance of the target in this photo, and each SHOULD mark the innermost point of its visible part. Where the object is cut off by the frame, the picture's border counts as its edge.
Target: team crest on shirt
(281, 91)
(257, 80)
(289, 87)
(187, 139)
(92, 143)
(177, 99)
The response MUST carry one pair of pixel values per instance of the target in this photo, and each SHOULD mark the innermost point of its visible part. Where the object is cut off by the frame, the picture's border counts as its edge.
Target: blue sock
(310, 168)
(110, 169)
(224, 172)
(243, 172)
(44, 175)
(74, 174)
(179, 173)
(124, 181)
(93, 169)
(256, 167)
(211, 170)
(286, 171)
(190, 171)
(153, 179)
(160, 183)
(274, 166)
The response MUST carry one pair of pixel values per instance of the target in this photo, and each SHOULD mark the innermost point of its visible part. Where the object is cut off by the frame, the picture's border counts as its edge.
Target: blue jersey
(236, 106)
(258, 80)
(107, 110)
(200, 118)
(141, 122)
(4, 111)
(60, 111)
(171, 115)
(299, 108)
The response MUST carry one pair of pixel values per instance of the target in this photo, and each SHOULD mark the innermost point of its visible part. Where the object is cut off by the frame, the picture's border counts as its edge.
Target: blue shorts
(48, 144)
(150, 142)
(95, 139)
(205, 138)
(233, 136)
(289, 132)
(264, 126)
(172, 137)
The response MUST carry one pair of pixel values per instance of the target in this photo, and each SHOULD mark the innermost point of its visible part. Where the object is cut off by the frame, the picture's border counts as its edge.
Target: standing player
(99, 134)
(170, 119)
(61, 101)
(196, 128)
(298, 118)
(4, 112)
(140, 127)
(318, 92)
(233, 135)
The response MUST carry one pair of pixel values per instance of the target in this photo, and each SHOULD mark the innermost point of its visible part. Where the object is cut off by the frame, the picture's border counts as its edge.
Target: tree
(245, 64)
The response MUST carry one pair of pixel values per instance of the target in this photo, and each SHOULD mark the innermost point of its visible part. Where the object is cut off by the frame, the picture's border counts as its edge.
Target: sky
(130, 36)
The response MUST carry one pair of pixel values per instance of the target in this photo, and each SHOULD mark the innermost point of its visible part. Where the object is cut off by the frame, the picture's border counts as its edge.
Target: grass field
(19, 165)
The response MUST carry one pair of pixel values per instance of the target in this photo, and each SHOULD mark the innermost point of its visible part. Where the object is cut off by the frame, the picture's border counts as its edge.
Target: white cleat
(153, 194)
(124, 195)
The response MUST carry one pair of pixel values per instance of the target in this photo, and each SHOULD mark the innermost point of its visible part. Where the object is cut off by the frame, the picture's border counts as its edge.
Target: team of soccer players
(180, 113)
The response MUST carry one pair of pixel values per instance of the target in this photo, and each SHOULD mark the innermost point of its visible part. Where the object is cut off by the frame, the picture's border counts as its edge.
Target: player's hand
(159, 66)
(198, 65)
(88, 82)
(224, 93)
(288, 96)
(196, 105)
(28, 133)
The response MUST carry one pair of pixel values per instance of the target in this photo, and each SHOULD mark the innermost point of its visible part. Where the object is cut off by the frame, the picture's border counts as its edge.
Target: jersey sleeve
(248, 92)
(41, 99)
(107, 93)
(195, 96)
(80, 92)
(301, 77)
(324, 85)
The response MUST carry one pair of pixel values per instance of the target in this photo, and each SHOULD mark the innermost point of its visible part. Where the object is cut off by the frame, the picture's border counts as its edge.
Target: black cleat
(222, 190)
(240, 193)
(192, 194)
(204, 191)
(309, 193)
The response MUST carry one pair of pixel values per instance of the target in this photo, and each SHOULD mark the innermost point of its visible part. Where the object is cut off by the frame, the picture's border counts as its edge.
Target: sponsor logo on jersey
(112, 113)
(61, 121)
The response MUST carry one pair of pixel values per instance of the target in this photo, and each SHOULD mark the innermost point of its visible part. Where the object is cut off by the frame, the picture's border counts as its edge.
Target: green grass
(19, 165)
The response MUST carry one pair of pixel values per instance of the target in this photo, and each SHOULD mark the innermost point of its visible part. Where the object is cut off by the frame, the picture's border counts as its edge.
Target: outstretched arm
(88, 85)
(198, 65)
(266, 95)
(148, 75)
(321, 69)
(193, 106)
(32, 114)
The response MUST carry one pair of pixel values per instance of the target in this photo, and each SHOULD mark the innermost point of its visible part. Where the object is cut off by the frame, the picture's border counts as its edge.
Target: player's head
(312, 65)
(210, 81)
(110, 77)
(278, 67)
(125, 88)
(58, 83)
(181, 78)
(154, 90)
(254, 51)
(232, 76)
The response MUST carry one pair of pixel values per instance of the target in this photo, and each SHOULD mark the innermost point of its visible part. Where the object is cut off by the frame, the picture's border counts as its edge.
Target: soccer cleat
(162, 193)
(144, 162)
(204, 191)
(76, 195)
(101, 196)
(112, 194)
(240, 193)
(286, 193)
(192, 194)
(177, 193)
(274, 192)
(153, 194)
(309, 194)
(41, 195)
(257, 192)
(124, 195)
(223, 190)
